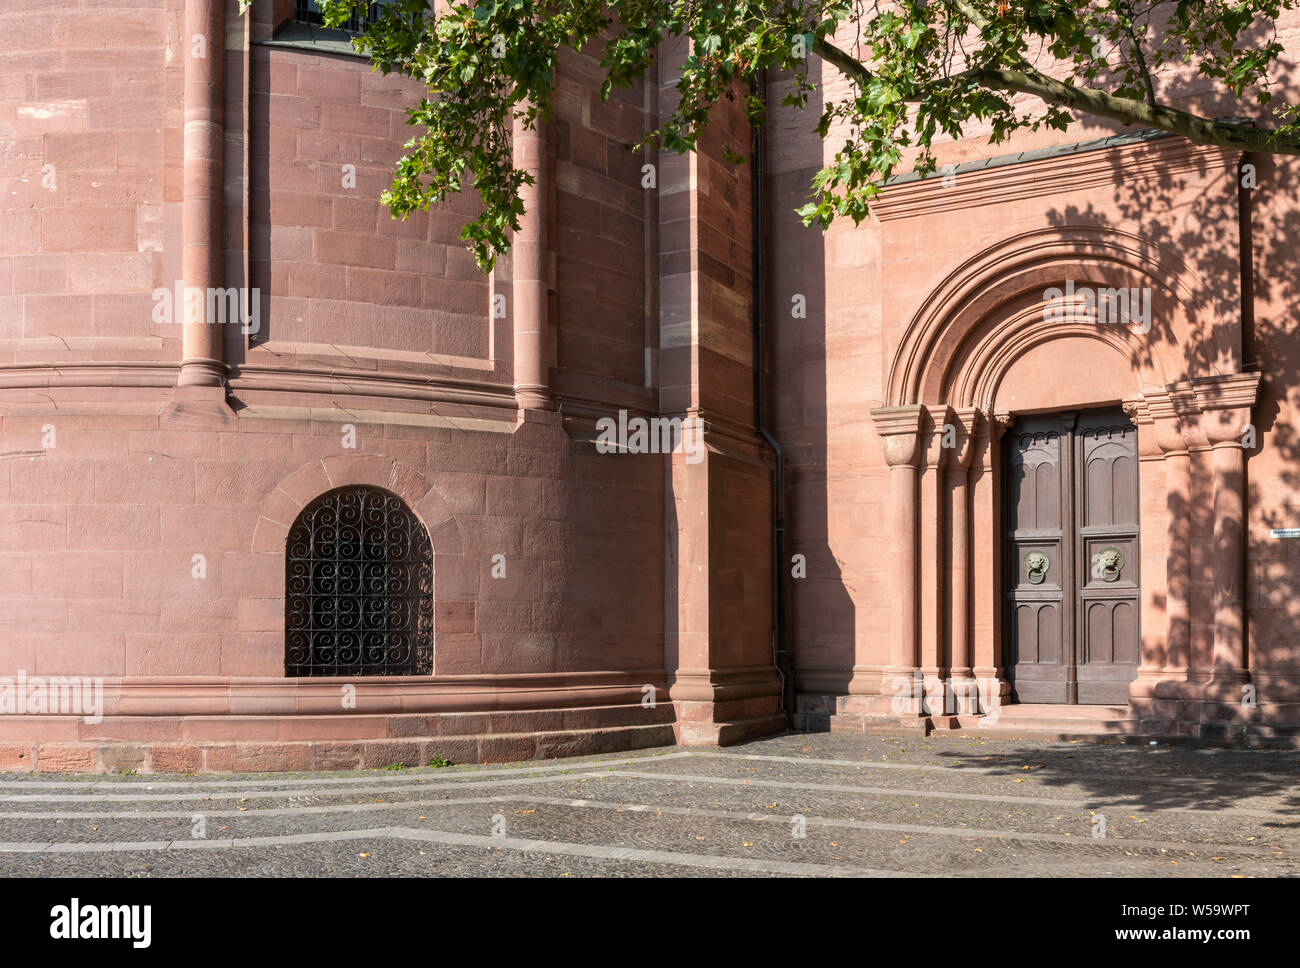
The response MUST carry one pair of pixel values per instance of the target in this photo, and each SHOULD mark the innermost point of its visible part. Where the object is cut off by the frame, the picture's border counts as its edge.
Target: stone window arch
(358, 587)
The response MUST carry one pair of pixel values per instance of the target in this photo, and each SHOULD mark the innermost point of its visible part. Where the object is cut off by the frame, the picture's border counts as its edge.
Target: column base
(534, 398)
(727, 722)
(201, 372)
(827, 713)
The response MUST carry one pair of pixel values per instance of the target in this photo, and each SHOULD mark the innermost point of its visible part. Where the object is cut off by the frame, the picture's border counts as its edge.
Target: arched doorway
(980, 355)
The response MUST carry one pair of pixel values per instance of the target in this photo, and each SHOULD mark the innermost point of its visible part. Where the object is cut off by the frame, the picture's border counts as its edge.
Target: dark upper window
(358, 588)
(308, 12)
(304, 29)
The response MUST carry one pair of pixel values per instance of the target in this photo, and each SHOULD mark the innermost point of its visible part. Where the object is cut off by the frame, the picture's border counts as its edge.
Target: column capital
(900, 432)
(1149, 442)
(1168, 417)
(1137, 409)
(1226, 403)
(1171, 436)
(987, 429)
(1205, 412)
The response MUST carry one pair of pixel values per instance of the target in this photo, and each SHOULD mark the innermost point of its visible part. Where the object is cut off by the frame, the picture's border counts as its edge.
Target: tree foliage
(918, 69)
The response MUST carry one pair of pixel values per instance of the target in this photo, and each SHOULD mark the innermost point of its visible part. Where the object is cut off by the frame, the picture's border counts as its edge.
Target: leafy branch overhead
(919, 70)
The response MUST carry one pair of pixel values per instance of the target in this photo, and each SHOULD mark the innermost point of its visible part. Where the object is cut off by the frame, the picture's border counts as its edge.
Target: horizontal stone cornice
(14, 376)
(1200, 411)
(371, 383)
(1227, 392)
(1052, 175)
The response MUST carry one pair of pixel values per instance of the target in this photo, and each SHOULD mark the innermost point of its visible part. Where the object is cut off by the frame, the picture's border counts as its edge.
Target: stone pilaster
(528, 252)
(1225, 404)
(961, 657)
(199, 399)
(718, 595)
(900, 433)
(937, 442)
(986, 545)
(204, 105)
(719, 591)
(1169, 410)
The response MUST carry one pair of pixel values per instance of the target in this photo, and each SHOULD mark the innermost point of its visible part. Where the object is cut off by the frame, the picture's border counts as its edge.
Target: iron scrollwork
(358, 588)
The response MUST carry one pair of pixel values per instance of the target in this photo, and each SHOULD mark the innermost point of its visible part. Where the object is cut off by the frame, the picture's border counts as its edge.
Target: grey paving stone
(793, 805)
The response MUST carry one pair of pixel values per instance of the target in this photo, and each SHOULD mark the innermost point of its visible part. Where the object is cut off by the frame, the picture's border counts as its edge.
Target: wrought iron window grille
(358, 588)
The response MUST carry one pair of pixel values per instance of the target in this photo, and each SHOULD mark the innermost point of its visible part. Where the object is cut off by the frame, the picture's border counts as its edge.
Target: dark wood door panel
(1038, 560)
(1108, 455)
(1039, 660)
(1107, 543)
(1035, 479)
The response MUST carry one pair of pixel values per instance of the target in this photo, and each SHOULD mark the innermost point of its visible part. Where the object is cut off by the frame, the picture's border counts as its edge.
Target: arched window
(358, 588)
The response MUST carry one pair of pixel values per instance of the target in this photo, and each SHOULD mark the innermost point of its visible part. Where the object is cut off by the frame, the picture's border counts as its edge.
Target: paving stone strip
(240, 794)
(1156, 778)
(291, 780)
(780, 819)
(947, 795)
(203, 797)
(687, 812)
(445, 837)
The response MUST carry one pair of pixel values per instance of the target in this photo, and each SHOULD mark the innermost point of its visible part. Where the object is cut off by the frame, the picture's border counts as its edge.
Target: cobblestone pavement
(793, 805)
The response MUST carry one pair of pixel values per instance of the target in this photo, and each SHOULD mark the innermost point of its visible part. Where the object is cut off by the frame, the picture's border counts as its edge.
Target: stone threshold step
(1059, 711)
(1074, 726)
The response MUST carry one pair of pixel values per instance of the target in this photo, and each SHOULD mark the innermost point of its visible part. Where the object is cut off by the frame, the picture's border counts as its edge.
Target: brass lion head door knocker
(1107, 564)
(1036, 565)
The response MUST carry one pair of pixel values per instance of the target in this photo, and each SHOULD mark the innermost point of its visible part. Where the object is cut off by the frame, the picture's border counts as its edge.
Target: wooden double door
(1070, 557)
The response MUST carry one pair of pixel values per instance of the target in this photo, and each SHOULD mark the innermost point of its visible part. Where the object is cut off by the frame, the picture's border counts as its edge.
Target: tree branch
(1198, 130)
(1141, 62)
(848, 65)
(971, 14)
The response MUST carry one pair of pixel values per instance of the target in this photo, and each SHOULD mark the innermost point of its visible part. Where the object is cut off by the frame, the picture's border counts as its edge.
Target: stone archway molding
(304, 485)
(958, 335)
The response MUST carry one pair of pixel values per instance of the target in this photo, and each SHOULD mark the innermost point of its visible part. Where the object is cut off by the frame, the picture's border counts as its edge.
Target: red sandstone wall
(603, 237)
(328, 250)
(828, 372)
(324, 132)
(1273, 575)
(99, 539)
(88, 148)
(99, 531)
